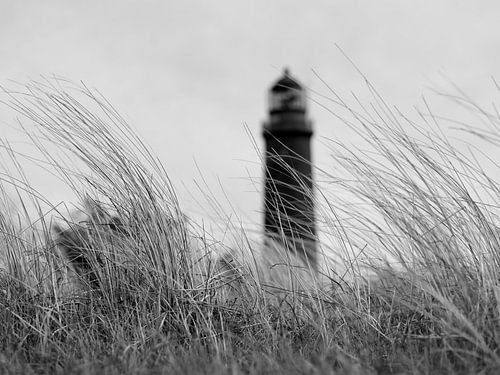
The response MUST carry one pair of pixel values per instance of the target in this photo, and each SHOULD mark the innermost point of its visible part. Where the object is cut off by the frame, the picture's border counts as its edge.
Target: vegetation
(408, 283)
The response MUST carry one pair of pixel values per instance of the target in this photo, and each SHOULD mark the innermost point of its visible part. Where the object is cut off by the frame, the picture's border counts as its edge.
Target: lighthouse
(288, 188)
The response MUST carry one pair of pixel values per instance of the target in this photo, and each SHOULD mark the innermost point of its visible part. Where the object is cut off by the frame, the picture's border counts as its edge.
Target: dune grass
(409, 261)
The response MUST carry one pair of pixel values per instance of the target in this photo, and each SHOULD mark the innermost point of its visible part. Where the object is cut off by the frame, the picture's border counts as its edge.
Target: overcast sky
(188, 75)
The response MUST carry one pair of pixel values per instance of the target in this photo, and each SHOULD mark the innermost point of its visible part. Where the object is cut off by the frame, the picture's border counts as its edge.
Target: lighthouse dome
(287, 95)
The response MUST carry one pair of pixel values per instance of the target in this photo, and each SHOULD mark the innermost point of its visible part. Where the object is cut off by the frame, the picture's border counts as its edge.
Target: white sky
(189, 74)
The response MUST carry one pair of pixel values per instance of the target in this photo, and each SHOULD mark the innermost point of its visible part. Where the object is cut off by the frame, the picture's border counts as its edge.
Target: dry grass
(415, 288)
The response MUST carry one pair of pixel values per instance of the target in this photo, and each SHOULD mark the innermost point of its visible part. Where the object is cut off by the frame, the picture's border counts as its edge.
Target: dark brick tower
(288, 196)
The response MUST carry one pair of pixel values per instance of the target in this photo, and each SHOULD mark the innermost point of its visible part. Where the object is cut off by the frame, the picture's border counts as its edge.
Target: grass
(408, 282)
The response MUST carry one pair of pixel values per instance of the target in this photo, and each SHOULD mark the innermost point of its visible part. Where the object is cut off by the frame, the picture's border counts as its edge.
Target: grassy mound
(128, 284)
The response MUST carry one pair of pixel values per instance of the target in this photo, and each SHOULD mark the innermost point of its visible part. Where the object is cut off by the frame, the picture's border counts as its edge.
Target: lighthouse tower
(288, 197)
